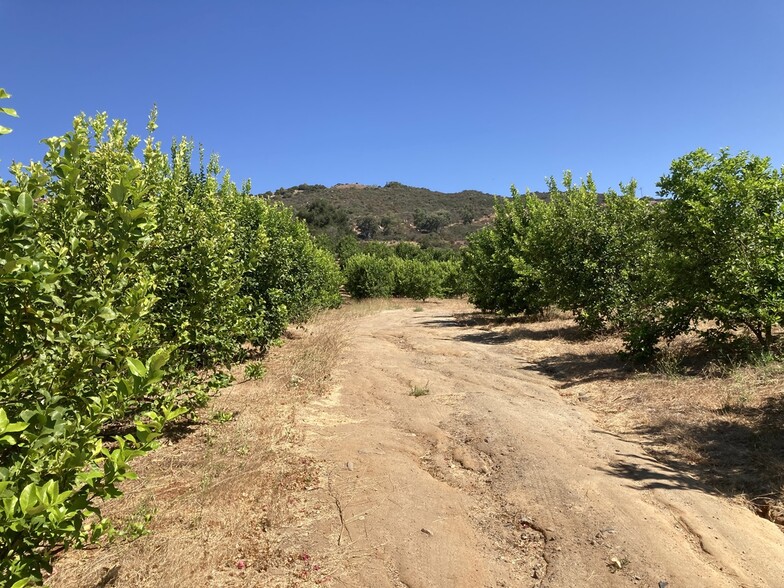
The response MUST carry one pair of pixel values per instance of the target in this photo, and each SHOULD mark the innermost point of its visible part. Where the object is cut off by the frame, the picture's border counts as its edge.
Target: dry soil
(491, 478)
(410, 447)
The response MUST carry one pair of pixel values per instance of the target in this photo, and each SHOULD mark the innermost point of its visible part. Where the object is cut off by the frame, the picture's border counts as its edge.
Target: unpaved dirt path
(492, 479)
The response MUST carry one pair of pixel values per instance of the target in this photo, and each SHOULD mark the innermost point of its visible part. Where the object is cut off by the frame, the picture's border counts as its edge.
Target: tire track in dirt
(493, 480)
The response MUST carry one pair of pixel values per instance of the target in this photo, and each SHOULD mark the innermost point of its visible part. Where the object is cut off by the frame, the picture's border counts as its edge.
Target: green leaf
(25, 203)
(158, 360)
(103, 352)
(137, 368)
(9, 111)
(87, 477)
(9, 506)
(4, 130)
(15, 427)
(118, 194)
(107, 313)
(27, 498)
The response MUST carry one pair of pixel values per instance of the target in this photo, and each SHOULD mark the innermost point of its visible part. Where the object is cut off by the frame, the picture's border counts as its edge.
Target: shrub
(430, 222)
(324, 217)
(369, 277)
(453, 279)
(193, 253)
(416, 279)
(287, 276)
(75, 304)
(496, 278)
(589, 252)
(407, 250)
(367, 227)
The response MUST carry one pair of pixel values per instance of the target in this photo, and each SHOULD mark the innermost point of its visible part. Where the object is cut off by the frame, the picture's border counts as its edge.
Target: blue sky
(449, 95)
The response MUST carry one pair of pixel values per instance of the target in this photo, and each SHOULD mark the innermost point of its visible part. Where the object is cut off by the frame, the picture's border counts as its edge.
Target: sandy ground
(493, 479)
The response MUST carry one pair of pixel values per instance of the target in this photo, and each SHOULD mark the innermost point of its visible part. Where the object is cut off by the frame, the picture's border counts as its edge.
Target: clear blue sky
(447, 94)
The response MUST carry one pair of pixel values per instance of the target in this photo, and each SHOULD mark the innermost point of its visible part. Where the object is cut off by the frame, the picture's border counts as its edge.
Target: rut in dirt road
(491, 479)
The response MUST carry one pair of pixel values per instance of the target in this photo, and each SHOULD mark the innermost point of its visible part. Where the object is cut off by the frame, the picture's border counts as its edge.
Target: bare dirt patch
(711, 418)
(499, 476)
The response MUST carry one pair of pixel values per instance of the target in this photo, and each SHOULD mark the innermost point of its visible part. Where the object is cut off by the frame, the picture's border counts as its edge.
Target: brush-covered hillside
(394, 212)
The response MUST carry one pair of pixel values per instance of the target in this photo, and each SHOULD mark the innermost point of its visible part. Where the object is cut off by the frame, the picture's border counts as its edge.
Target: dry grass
(219, 493)
(720, 421)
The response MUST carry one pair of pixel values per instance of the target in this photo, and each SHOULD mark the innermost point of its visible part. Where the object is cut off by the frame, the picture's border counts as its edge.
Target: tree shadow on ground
(653, 474)
(180, 429)
(560, 331)
(570, 369)
(736, 451)
(173, 431)
(522, 328)
(573, 369)
(740, 452)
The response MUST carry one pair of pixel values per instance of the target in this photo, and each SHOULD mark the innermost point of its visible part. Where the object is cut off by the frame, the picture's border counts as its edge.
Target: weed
(417, 391)
(418, 309)
(669, 362)
(222, 416)
(200, 397)
(134, 527)
(255, 371)
(220, 380)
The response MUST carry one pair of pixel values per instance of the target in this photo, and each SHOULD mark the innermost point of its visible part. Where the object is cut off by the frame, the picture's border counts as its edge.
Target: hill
(390, 212)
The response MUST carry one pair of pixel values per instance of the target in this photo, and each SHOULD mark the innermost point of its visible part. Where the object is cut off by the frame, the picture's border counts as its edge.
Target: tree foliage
(368, 276)
(723, 238)
(120, 276)
(6, 110)
(497, 278)
(711, 251)
(430, 222)
(588, 251)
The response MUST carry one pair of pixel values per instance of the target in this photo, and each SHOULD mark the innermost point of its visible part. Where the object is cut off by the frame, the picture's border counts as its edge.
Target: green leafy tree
(589, 250)
(367, 227)
(496, 278)
(453, 281)
(69, 363)
(193, 251)
(324, 217)
(119, 277)
(368, 276)
(407, 250)
(430, 222)
(417, 279)
(722, 237)
(288, 277)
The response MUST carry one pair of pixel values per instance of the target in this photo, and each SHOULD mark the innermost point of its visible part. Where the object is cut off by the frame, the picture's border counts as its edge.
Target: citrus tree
(723, 238)
(590, 250)
(497, 277)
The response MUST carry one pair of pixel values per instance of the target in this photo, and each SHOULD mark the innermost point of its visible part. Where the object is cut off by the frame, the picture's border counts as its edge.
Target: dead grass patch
(215, 499)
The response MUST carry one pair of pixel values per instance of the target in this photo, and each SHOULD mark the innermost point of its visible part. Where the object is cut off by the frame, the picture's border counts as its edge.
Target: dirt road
(492, 479)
